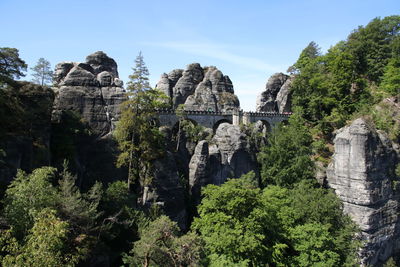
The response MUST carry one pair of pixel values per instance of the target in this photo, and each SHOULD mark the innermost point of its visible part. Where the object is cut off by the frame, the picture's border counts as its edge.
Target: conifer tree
(42, 72)
(137, 134)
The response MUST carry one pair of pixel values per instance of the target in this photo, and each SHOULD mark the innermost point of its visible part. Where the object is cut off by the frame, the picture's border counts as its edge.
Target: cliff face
(362, 174)
(199, 89)
(85, 110)
(276, 96)
(181, 174)
(25, 134)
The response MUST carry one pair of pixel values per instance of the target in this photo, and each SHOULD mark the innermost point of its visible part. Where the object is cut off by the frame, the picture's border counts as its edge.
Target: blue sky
(247, 40)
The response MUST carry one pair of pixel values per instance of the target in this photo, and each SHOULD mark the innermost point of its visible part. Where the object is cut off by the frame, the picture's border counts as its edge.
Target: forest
(281, 216)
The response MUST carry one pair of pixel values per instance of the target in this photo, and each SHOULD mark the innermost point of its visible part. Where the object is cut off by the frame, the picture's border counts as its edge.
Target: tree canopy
(137, 134)
(42, 73)
(11, 65)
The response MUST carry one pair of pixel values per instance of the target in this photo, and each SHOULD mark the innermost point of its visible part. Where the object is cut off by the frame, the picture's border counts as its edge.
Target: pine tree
(137, 134)
(42, 72)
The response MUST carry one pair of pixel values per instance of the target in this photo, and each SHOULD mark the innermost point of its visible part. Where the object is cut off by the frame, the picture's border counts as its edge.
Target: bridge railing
(210, 112)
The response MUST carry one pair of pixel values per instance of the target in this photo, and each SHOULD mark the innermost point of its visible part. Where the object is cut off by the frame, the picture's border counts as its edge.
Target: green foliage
(397, 170)
(26, 196)
(232, 223)
(222, 261)
(287, 157)
(391, 78)
(80, 210)
(28, 203)
(302, 226)
(315, 246)
(194, 132)
(11, 66)
(330, 88)
(137, 134)
(42, 72)
(139, 79)
(120, 220)
(390, 263)
(45, 245)
(386, 117)
(161, 245)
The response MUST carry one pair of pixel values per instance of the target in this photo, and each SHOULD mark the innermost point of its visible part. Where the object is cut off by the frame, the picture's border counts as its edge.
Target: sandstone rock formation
(199, 89)
(91, 89)
(362, 174)
(89, 95)
(276, 97)
(229, 155)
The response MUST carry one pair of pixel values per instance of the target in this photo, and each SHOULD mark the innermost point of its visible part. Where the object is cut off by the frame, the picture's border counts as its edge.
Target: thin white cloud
(218, 52)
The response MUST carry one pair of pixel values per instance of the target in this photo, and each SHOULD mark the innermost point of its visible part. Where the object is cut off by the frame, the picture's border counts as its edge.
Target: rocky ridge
(199, 88)
(276, 96)
(362, 174)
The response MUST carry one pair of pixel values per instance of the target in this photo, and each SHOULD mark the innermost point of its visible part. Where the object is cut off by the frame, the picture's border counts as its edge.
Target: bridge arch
(267, 125)
(175, 128)
(218, 123)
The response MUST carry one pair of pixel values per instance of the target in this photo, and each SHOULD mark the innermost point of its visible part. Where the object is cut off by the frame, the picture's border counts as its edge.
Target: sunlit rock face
(198, 88)
(276, 96)
(362, 174)
(91, 89)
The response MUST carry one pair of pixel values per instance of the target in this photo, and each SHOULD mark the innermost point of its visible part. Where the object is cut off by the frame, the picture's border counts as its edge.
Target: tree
(161, 244)
(11, 66)
(26, 196)
(46, 244)
(234, 225)
(287, 157)
(137, 134)
(309, 53)
(139, 79)
(80, 210)
(42, 72)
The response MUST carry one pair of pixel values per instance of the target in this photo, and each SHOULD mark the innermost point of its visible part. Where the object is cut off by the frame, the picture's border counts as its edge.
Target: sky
(247, 40)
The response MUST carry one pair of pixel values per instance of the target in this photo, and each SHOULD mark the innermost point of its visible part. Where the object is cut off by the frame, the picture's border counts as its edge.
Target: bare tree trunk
(179, 135)
(130, 166)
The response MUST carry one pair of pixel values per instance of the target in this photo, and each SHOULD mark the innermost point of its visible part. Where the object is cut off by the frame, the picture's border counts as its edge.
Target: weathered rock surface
(166, 189)
(199, 89)
(91, 89)
(229, 155)
(88, 96)
(362, 174)
(276, 97)
(199, 170)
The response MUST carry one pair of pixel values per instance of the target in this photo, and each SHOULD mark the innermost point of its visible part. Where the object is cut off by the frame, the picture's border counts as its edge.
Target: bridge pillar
(236, 118)
(246, 118)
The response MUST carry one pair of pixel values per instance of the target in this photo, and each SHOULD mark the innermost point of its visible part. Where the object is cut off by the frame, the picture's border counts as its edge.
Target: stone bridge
(212, 119)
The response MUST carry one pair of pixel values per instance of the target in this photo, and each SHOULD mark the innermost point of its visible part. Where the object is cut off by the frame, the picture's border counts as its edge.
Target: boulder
(362, 174)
